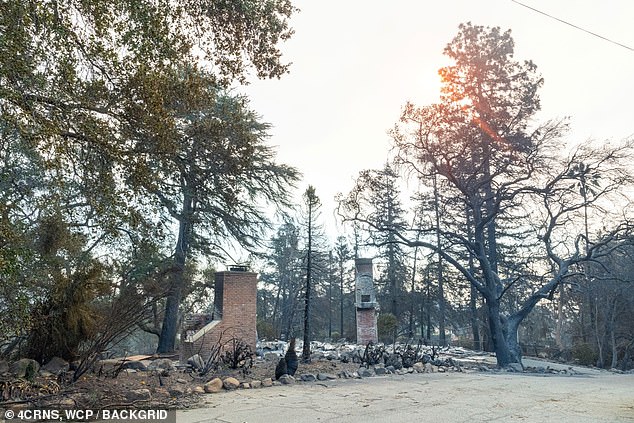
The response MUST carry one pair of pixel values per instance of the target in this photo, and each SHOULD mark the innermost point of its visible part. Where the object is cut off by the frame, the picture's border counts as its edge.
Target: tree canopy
(511, 226)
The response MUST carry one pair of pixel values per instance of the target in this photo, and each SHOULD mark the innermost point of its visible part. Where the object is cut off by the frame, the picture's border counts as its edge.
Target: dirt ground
(444, 397)
(575, 394)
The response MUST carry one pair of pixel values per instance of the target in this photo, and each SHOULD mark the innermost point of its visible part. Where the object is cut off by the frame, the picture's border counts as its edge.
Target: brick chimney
(235, 296)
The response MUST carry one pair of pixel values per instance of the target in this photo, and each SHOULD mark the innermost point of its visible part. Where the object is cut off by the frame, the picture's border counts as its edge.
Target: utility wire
(573, 25)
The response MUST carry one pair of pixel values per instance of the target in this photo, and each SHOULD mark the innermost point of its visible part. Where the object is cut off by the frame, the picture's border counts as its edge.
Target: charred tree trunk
(441, 291)
(167, 339)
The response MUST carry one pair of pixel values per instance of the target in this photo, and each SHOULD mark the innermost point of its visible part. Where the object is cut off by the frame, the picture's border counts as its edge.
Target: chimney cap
(238, 268)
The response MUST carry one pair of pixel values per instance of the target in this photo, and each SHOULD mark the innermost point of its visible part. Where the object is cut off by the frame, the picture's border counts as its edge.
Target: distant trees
(284, 275)
(507, 179)
(386, 213)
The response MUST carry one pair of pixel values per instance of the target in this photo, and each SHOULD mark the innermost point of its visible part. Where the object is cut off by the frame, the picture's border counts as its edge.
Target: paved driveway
(439, 397)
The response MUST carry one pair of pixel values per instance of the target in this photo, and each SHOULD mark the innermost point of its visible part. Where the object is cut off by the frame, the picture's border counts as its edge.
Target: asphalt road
(592, 397)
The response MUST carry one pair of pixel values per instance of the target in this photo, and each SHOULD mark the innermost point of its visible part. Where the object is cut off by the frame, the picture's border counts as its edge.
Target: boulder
(326, 376)
(107, 365)
(395, 361)
(515, 367)
(4, 367)
(134, 365)
(24, 368)
(270, 356)
(177, 391)
(307, 377)
(268, 382)
(363, 372)
(231, 383)
(256, 384)
(419, 367)
(56, 366)
(245, 385)
(162, 364)
(213, 386)
(198, 390)
(142, 394)
(380, 371)
(287, 380)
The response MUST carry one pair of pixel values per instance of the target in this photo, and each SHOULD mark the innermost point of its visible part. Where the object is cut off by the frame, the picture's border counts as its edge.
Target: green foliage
(386, 325)
(111, 114)
(266, 330)
(65, 315)
(584, 354)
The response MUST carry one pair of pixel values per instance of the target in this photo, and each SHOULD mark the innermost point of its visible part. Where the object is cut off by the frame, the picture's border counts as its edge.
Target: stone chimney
(365, 302)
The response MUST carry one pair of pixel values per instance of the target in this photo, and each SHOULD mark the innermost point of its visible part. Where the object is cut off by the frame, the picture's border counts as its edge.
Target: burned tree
(508, 178)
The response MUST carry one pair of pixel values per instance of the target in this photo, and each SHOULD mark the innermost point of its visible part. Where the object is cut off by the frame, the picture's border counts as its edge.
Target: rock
(326, 376)
(418, 367)
(198, 390)
(515, 367)
(287, 380)
(24, 368)
(307, 377)
(441, 369)
(214, 385)
(395, 361)
(65, 403)
(267, 383)
(270, 356)
(160, 392)
(345, 374)
(316, 356)
(4, 367)
(230, 383)
(107, 366)
(162, 364)
(245, 385)
(142, 394)
(56, 366)
(196, 361)
(255, 384)
(177, 391)
(380, 371)
(134, 365)
(429, 368)
(180, 380)
(363, 372)
(390, 369)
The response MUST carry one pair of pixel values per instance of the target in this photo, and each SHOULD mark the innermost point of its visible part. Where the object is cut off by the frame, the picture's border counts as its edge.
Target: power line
(573, 25)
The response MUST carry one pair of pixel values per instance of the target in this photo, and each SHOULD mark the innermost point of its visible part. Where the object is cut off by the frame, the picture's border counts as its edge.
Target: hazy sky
(356, 63)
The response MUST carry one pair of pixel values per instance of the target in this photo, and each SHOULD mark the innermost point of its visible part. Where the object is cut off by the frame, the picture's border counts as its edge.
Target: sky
(356, 63)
